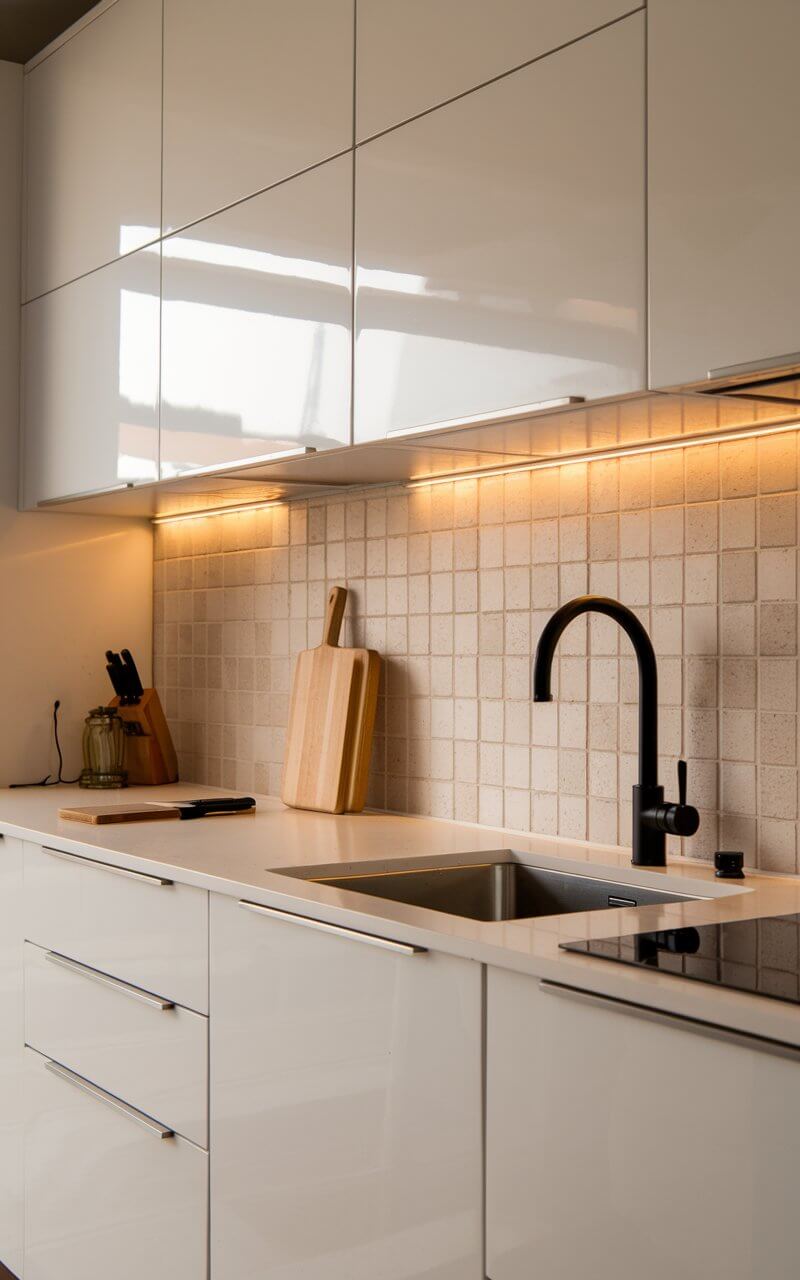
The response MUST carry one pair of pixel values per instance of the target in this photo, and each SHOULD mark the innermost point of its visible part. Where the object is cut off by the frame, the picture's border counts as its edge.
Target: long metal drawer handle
(106, 866)
(355, 935)
(100, 1095)
(105, 980)
(679, 1021)
(755, 366)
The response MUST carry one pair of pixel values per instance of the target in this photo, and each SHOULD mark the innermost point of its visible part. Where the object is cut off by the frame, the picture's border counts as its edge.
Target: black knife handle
(204, 808)
(212, 804)
(135, 687)
(117, 675)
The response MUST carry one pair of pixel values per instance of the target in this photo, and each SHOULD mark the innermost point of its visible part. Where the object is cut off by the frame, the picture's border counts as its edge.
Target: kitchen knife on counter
(180, 810)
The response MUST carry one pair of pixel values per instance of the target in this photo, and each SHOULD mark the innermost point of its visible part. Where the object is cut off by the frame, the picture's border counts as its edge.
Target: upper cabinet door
(90, 381)
(93, 146)
(724, 174)
(415, 54)
(500, 243)
(256, 323)
(254, 91)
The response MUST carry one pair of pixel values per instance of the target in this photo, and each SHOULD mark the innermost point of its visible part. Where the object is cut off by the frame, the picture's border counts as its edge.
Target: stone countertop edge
(242, 855)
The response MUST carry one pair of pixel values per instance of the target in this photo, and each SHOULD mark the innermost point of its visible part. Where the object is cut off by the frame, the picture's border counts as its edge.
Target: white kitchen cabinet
(500, 243)
(93, 146)
(106, 1194)
(345, 1105)
(131, 1042)
(256, 323)
(724, 185)
(417, 54)
(11, 1055)
(133, 925)
(90, 381)
(619, 1146)
(253, 93)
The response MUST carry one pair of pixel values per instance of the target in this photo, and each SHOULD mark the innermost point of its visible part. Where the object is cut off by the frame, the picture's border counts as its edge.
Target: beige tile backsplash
(452, 584)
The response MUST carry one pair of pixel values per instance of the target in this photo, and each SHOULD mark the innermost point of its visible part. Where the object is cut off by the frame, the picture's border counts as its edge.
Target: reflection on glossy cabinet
(106, 1195)
(253, 93)
(724, 175)
(93, 146)
(11, 1054)
(256, 317)
(415, 55)
(90, 381)
(345, 1106)
(500, 243)
(616, 1144)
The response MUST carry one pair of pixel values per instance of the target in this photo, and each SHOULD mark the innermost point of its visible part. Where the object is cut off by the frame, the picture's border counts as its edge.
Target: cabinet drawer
(136, 1045)
(135, 926)
(105, 1193)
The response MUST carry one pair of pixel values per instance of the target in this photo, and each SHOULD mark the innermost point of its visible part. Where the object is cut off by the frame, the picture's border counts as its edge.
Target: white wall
(70, 586)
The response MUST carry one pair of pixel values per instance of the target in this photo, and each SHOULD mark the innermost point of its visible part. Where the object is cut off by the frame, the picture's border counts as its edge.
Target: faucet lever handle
(682, 773)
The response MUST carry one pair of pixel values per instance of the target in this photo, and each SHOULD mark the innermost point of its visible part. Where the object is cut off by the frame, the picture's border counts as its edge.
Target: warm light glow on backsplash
(605, 455)
(542, 464)
(213, 512)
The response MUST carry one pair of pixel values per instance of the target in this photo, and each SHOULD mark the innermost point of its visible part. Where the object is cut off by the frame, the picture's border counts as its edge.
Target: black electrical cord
(49, 781)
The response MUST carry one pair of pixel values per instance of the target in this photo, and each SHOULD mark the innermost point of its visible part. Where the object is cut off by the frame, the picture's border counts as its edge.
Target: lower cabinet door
(620, 1147)
(11, 1054)
(106, 1195)
(345, 1106)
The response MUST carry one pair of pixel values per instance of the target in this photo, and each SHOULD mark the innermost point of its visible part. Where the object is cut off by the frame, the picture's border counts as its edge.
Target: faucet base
(649, 844)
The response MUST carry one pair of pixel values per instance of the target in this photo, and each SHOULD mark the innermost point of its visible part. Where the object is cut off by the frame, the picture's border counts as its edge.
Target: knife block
(150, 758)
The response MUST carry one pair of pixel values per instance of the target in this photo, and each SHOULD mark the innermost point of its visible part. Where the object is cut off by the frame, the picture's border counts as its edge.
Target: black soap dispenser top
(729, 865)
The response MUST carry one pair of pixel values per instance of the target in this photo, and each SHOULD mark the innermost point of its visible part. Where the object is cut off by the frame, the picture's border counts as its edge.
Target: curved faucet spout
(645, 656)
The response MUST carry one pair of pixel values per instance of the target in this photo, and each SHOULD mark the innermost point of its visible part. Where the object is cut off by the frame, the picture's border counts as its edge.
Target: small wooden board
(104, 814)
(369, 664)
(331, 716)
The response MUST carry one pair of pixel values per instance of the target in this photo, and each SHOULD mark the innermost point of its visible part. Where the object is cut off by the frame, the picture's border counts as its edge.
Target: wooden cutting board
(331, 718)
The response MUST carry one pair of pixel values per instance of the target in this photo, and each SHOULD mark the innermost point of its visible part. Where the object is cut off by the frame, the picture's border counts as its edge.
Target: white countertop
(240, 856)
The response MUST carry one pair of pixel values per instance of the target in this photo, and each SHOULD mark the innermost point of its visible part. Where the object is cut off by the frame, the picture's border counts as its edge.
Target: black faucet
(652, 817)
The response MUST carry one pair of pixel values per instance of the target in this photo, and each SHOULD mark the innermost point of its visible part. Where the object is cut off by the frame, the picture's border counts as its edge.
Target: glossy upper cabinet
(345, 1105)
(253, 92)
(93, 146)
(415, 54)
(90, 381)
(723, 107)
(256, 321)
(620, 1145)
(500, 243)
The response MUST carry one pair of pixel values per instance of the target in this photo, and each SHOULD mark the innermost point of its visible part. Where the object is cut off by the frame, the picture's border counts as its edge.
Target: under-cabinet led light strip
(541, 464)
(604, 455)
(233, 509)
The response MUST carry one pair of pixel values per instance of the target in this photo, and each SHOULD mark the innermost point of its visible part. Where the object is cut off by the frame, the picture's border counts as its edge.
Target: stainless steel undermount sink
(499, 890)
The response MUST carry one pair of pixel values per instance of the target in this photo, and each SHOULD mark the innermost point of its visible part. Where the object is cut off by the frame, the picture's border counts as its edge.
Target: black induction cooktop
(758, 956)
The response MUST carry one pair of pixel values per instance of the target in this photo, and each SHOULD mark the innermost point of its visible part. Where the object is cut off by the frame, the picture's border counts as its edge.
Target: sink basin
(507, 890)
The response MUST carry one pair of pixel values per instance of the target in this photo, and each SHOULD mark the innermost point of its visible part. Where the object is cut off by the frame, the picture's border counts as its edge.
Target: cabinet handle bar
(100, 1095)
(487, 419)
(679, 1021)
(754, 366)
(106, 866)
(105, 980)
(355, 935)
